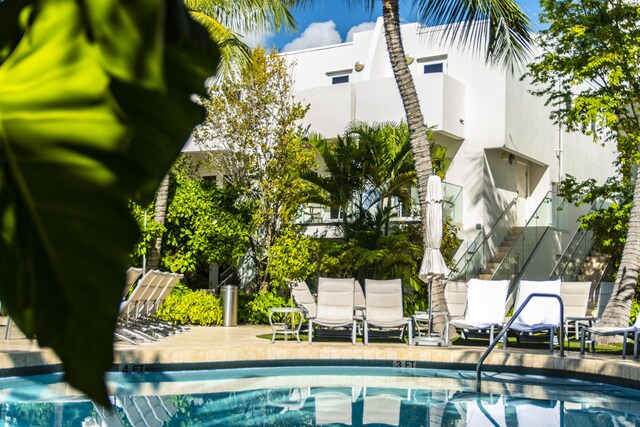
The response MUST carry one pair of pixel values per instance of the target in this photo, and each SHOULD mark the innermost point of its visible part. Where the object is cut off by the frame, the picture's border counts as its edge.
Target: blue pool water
(309, 396)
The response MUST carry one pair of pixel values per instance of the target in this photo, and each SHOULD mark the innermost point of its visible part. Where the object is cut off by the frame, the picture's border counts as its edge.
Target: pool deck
(241, 346)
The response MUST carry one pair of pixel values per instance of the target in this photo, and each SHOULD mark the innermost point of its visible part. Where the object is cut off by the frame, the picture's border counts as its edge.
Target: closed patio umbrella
(433, 266)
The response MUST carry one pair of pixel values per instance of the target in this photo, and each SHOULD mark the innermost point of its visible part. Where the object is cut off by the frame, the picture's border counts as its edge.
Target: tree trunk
(159, 216)
(618, 308)
(418, 131)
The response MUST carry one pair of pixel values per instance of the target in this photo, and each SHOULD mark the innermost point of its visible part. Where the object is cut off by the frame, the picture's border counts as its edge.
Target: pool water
(310, 396)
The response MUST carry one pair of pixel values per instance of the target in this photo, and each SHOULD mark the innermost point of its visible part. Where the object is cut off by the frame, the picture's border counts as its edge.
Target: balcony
(442, 100)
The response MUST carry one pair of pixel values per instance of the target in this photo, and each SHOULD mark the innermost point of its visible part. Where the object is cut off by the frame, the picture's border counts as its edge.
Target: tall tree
(226, 22)
(590, 73)
(251, 136)
(496, 28)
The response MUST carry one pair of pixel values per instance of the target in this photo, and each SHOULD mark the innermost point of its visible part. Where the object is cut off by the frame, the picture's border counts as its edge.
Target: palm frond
(497, 28)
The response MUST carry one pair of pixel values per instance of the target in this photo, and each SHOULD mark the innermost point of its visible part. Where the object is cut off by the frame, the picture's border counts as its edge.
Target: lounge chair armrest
(577, 318)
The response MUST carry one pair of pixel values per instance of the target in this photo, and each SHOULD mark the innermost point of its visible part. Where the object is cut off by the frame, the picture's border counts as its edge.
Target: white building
(503, 145)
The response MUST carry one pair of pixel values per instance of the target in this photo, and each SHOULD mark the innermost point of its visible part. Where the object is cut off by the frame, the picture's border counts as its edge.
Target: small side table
(285, 327)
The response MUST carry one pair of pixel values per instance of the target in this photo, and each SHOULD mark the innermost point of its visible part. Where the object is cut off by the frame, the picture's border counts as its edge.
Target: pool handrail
(505, 328)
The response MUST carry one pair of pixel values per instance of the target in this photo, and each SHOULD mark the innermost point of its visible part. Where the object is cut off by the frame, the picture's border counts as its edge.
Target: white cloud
(255, 38)
(316, 34)
(365, 26)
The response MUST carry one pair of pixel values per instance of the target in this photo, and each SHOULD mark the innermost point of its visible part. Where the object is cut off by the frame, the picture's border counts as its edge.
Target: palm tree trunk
(418, 131)
(618, 309)
(159, 216)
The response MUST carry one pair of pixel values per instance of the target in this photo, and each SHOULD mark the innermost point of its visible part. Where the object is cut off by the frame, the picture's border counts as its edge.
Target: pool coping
(219, 348)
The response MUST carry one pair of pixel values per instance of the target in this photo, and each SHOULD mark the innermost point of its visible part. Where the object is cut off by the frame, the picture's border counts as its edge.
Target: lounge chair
(485, 308)
(359, 300)
(541, 314)
(455, 294)
(631, 331)
(335, 306)
(384, 308)
(303, 298)
(132, 276)
(575, 297)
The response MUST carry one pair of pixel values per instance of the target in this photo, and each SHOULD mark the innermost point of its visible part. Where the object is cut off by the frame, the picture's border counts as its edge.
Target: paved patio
(219, 344)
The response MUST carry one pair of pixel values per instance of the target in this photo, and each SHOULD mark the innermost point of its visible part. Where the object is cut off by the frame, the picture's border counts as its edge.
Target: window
(336, 80)
(437, 67)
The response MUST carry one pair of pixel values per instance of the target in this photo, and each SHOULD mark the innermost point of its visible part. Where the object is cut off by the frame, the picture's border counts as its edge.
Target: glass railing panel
(545, 216)
(484, 246)
(452, 202)
(471, 261)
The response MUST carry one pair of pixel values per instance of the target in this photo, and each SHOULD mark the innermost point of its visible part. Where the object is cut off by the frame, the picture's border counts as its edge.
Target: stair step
(485, 276)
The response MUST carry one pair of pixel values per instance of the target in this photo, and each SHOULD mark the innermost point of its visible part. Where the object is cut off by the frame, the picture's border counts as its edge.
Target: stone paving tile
(219, 344)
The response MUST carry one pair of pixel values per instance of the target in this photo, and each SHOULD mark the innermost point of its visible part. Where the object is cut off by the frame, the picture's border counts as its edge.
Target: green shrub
(635, 309)
(184, 306)
(254, 308)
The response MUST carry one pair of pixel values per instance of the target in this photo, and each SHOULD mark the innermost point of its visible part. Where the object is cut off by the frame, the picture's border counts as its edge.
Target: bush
(184, 306)
(255, 308)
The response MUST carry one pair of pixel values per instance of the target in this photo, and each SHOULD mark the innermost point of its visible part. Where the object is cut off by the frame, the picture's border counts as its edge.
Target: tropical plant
(368, 177)
(184, 306)
(205, 224)
(588, 71)
(95, 104)
(496, 28)
(226, 23)
(251, 137)
(254, 307)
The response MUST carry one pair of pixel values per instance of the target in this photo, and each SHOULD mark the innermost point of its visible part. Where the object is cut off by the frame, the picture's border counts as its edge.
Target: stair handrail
(506, 326)
(547, 198)
(518, 276)
(486, 236)
(595, 206)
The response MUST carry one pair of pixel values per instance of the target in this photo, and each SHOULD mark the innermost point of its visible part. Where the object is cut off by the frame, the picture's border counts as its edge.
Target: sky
(332, 21)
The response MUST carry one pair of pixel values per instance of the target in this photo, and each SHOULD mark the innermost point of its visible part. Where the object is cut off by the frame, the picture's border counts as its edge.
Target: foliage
(589, 72)
(149, 231)
(292, 257)
(609, 225)
(228, 22)
(251, 137)
(78, 141)
(204, 224)
(369, 174)
(254, 308)
(184, 306)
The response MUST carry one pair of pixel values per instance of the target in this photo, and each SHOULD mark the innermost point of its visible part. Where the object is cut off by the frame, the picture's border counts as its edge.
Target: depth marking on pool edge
(404, 364)
(132, 367)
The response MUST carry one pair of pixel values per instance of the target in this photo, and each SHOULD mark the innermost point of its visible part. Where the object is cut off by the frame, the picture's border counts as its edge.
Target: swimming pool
(308, 396)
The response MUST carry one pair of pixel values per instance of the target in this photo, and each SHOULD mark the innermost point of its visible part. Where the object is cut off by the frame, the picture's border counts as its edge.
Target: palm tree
(497, 27)
(369, 174)
(226, 21)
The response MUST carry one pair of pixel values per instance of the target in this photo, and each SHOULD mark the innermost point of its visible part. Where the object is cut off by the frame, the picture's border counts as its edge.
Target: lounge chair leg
(552, 337)
(504, 341)
(410, 332)
(635, 345)
(624, 345)
(582, 337)
(353, 332)
(446, 333)
(365, 332)
(491, 335)
(310, 336)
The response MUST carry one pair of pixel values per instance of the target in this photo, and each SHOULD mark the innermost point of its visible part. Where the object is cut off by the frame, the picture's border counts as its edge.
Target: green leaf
(75, 145)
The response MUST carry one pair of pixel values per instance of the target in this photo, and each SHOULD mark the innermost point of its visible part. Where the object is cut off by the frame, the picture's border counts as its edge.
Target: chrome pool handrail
(505, 328)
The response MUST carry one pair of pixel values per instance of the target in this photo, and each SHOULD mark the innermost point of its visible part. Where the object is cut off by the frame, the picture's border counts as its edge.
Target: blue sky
(329, 22)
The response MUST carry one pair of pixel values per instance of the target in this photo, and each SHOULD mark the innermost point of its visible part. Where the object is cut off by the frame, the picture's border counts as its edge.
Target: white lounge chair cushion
(539, 311)
(486, 301)
(335, 301)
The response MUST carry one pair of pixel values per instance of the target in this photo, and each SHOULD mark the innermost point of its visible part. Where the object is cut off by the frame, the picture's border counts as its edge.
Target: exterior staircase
(506, 245)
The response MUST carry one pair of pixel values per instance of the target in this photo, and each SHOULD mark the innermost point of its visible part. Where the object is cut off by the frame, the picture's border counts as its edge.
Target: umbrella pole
(430, 308)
